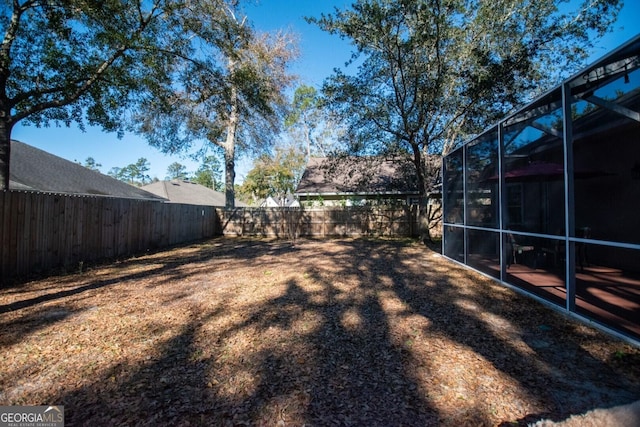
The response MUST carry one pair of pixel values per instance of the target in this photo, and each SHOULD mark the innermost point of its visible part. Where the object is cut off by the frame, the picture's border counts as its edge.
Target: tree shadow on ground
(15, 329)
(338, 370)
(162, 264)
(345, 369)
(348, 333)
(544, 355)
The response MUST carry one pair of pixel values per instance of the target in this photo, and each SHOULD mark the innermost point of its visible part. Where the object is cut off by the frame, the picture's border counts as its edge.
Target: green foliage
(619, 354)
(67, 62)
(311, 124)
(72, 62)
(209, 173)
(231, 95)
(313, 203)
(305, 99)
(134, 173)
(274, 176)
(90, 163)
(430, 74)
(177, 171)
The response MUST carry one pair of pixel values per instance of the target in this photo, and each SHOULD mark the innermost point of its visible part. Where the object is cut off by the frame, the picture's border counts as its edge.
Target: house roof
(178, 191)
(357, 175)
(288, 202)
(32, 169)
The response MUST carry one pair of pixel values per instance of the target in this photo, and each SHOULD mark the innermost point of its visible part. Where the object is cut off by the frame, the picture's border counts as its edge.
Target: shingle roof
(358, 175)
(32, 169)
(186, 192)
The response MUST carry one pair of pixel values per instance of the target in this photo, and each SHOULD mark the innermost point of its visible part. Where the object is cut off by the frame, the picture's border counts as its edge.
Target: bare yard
(334, 332)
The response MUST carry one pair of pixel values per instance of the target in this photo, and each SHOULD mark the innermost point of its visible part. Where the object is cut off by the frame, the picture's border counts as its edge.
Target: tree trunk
(229, 176)
(230, 152)
(5, 151)
(423, 185)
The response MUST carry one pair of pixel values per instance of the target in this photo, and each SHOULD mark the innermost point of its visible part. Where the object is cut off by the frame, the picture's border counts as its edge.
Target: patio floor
(605, 294)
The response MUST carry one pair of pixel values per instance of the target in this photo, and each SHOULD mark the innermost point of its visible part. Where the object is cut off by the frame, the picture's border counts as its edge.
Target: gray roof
(358, 175)
(178, 191)
(32, 169)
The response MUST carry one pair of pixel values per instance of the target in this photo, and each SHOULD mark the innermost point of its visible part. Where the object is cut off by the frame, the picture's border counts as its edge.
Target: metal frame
(571, 90)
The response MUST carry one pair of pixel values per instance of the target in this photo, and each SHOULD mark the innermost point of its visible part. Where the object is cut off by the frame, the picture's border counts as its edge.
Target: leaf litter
(333, 332)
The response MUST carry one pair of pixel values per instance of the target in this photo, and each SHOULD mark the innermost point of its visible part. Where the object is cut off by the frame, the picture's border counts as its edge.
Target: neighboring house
(32, 169)
(287, 202)
(179, 191)
(354, 181)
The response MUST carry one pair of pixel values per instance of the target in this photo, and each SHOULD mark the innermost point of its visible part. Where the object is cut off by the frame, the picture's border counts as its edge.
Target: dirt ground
(320, 333)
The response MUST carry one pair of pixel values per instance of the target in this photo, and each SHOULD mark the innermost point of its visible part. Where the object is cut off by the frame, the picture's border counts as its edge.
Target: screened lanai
(548, 200)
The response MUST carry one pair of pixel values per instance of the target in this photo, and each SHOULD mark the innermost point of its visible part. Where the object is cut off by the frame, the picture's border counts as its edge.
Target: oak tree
(430, 73)
(74, 61)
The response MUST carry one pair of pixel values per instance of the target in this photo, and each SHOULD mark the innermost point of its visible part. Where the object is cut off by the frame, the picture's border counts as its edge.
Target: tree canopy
(90, 163)
(275, 176)
(312, 125)
(231, 95)
(177, 71)
(134, 173)
(82, 62)
(177, 171)
(209, 174)
(430, 73)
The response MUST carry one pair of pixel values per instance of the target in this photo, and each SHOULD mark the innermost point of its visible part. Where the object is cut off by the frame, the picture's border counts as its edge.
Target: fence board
(43, 231)
(398, 221)
(17, 226)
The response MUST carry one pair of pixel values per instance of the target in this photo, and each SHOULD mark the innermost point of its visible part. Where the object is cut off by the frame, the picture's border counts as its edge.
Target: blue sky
(320, 53)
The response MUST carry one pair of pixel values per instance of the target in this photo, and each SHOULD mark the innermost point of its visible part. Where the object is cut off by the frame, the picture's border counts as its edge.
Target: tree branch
(86, 84)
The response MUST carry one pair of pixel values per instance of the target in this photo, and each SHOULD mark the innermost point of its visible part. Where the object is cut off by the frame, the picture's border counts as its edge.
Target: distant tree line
(209, 174)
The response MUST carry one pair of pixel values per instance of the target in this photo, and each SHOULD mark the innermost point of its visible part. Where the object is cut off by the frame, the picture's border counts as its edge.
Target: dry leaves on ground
(335, 332)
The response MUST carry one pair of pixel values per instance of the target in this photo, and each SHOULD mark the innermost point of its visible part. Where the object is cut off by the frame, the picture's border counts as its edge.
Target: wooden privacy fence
(41, 231)
(400, 221)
